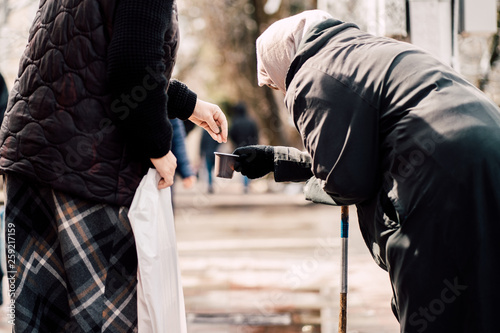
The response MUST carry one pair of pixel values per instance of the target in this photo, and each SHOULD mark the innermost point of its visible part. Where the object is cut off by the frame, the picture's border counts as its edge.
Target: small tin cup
(224, 165)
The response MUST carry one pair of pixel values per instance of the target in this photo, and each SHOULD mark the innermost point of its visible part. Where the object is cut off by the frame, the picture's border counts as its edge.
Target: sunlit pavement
(5, 327)
(271, 258)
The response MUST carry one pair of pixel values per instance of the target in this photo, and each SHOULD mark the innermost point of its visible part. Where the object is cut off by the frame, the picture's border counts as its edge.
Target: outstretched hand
(210, 117)
(254, 161)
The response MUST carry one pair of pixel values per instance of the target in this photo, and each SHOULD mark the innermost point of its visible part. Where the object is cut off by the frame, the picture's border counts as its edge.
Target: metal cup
(224, 165)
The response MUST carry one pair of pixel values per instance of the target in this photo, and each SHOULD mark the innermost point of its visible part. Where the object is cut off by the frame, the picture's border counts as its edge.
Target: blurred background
(255, 256)
(217, 50)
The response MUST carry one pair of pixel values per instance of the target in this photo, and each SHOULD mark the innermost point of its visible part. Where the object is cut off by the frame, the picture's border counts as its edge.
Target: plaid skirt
(74, 262)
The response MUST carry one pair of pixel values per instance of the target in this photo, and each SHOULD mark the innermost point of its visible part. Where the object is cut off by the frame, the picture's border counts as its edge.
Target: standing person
(243, 132)
(87, 116)
(208, 147)
(184, 168)
(4, 96)
(408, 141)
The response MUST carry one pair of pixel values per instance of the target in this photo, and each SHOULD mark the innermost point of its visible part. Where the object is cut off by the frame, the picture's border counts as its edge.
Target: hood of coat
(315, 38)
(277, 46)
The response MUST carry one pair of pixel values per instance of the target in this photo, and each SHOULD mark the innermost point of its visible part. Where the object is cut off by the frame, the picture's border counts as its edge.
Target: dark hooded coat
(417, 149)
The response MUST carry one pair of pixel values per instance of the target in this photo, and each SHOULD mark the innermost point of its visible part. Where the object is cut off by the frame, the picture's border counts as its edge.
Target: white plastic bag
(160, 300)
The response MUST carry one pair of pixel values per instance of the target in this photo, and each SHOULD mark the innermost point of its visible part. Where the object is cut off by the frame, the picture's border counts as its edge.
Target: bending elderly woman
(413, 145)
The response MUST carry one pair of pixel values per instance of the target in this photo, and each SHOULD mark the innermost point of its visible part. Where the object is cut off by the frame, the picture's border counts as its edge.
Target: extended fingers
(215, 136)
(221, 120)
(217, 124)
(211, 118)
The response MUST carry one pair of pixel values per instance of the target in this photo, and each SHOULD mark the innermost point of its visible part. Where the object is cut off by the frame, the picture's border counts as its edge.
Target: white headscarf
(277, 46)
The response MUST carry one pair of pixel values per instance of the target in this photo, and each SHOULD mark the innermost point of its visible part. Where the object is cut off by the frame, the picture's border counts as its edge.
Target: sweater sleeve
(181, 100)
(136, 67)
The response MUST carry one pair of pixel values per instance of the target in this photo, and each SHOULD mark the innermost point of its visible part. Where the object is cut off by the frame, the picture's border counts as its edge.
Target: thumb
(212, 124)
(237, 166)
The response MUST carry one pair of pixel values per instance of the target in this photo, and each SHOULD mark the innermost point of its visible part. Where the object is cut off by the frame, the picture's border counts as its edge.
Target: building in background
(378, 17)
(461, 33)
(436, 25)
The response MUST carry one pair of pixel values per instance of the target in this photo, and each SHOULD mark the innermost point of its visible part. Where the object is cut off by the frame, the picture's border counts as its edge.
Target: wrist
(182, 100)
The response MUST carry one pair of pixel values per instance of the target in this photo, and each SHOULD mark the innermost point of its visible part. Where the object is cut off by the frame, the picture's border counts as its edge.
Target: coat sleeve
(291, 165)
(339, 129)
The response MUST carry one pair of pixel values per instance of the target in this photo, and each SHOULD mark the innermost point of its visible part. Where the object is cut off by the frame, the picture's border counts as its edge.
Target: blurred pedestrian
(412, 144)
(87, 116)
(208, 146)
(184, 168)
(4, 96)
(243, 132)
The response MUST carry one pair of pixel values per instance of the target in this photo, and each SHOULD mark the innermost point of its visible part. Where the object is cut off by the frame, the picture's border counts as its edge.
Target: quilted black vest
(57, 129)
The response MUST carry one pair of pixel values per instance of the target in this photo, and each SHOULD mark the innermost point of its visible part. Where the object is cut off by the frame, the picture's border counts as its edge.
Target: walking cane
(344, 234)
(314, 192)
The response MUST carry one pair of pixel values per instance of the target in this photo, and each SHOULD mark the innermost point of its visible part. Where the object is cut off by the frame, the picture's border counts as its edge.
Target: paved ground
(5, 327)
(268, 261)
(271, 252)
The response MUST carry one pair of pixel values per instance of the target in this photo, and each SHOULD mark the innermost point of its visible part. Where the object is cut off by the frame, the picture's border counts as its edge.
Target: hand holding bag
(160, 299)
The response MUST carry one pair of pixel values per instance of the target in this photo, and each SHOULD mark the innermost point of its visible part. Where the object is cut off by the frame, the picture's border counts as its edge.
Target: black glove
(254, 161)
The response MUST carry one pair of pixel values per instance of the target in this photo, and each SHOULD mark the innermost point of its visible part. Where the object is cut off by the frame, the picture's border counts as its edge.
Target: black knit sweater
(137, 62)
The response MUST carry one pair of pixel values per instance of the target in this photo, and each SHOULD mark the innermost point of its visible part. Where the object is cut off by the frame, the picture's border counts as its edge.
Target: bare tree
(227, 50)
(15, 19)
(4, 11)
(495, 55)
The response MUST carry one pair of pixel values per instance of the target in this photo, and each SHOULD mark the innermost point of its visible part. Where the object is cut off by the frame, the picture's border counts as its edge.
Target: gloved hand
(254, 161)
